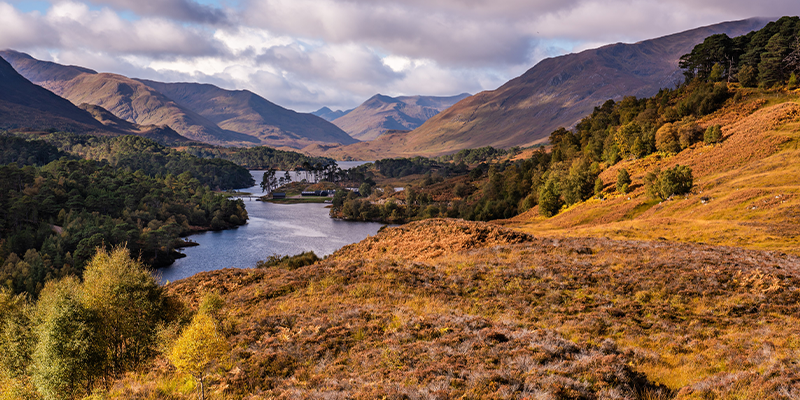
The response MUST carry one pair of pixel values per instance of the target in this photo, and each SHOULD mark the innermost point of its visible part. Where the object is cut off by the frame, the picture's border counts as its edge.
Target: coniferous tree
(623, 181)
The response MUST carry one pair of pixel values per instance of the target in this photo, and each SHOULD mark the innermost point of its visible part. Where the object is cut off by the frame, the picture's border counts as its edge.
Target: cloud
(181, 10)
(304, 54)
(19, 30)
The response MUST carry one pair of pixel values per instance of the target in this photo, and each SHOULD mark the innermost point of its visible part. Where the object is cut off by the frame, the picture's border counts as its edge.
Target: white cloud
(304, 54)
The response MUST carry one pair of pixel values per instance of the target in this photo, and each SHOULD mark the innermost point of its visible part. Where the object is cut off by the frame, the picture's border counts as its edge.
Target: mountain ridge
(137, 101)
(556, 92)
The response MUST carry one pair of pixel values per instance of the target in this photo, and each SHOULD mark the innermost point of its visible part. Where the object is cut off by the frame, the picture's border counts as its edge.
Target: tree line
(259, 157)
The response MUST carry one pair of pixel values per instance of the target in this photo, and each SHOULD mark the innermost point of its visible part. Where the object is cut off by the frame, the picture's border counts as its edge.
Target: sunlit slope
(747, 188)
(462, 309)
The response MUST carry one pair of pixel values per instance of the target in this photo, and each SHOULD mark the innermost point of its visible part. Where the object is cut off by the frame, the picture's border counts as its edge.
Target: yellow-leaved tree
(198, 348)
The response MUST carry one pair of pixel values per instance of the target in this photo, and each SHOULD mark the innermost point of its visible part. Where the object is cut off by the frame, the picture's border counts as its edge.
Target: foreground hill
(383, 113)
(245, 112)
(454, 309)
(556, 92)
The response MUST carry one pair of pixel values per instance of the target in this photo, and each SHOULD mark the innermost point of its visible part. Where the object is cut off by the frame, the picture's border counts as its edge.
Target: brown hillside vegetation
(746, 193)
(513, 317)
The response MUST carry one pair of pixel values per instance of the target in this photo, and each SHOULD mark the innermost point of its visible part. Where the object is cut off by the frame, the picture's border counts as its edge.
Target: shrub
(289, 262)
(667, 139)
(713, 134)
(672, 181)
(689, 133)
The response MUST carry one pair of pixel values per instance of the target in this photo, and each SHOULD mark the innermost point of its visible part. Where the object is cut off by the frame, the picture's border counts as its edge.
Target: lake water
(284, 229)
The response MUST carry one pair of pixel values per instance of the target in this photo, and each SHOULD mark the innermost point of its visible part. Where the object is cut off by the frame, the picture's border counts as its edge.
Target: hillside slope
(746, 189)
(122, 96)
(383, 113)
(245, 112)
(161, 134)
(556, 92)
(453, 309)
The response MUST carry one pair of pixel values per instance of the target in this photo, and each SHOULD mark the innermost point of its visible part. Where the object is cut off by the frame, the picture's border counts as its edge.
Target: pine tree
(623, 180)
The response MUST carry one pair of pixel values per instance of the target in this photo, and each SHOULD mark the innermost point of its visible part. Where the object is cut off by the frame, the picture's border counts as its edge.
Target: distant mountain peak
(381, 113)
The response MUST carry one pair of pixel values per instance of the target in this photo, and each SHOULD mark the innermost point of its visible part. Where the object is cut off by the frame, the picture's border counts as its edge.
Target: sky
(305, 54)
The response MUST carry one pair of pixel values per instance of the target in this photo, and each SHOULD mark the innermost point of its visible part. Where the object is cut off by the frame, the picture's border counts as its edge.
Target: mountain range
(198, 111)
(383, 113)
(26, 106)
(556, 92)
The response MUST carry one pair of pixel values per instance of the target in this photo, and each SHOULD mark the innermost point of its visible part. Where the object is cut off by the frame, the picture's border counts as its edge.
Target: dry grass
(747, 189)
(468, 310)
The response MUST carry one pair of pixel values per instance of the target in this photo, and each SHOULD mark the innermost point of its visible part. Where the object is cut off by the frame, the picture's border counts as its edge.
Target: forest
(259, 157)
(627, 129)
(134, 153)
(55, 214)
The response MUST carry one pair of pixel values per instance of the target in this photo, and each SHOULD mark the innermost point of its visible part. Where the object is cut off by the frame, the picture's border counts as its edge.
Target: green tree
(713, 134)
(623, 180)
(129, 302)
(67, 358)
(672, 181)
(365, 189)
(598, 185)
(268, 181)
(748, 76)
(770, 69)
(549, 200)
(199, 348)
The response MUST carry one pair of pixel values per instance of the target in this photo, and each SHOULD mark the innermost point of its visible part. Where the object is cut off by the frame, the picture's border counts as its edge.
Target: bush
(689, 133)
(673, 181)
(667, 139)
(289, 262)
(713, 134)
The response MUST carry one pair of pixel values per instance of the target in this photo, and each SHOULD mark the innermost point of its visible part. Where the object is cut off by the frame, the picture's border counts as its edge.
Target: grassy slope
(451, 309)
(750, 183)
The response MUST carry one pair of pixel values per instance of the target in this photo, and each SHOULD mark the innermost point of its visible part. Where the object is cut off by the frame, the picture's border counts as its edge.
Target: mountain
(162, 134)
(244, 111)
(383, 113)
(200, 112)
(329, 115)
(24, 105)
(556, 92)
